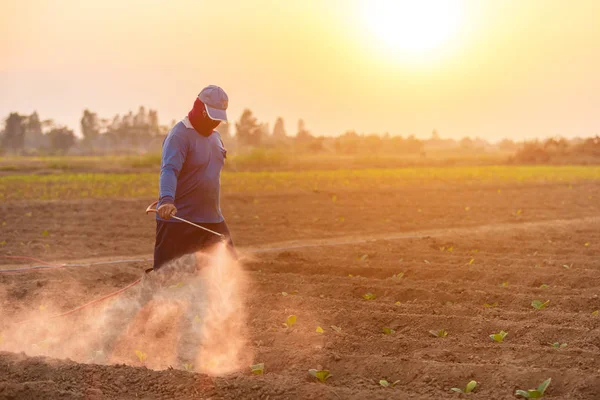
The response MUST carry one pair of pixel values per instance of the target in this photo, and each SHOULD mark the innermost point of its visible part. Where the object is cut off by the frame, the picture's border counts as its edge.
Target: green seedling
(398, 276)
(319, 330)
(353, 276)
(538, 305)
(336, 328)
(442, 333)
(397, 303)
(322, 374)
(557, 345)
(544, 286)
(595, 313)
(197, 319)
(290, 321)
(45, 233)
(492, 305)
(534, 393)
(258, 369)
(503, 284)
(468, 389)
(567, 266)
(369, 296)
(141, 355)
(498, 337)
(471, 261)
(176, 286)
(388, 331)
(188, 366)
(386, 383)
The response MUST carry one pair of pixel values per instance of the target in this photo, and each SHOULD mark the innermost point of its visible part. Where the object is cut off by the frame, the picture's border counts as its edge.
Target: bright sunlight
(413, 26)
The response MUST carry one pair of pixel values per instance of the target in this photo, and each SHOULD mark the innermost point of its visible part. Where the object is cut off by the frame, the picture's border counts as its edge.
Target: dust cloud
(188, 315)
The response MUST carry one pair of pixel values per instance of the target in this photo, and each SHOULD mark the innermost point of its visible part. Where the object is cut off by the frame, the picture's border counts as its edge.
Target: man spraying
(190, 178)
(193, 156)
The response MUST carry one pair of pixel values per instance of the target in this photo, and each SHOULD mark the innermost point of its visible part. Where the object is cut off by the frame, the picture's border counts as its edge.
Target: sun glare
(413, 26)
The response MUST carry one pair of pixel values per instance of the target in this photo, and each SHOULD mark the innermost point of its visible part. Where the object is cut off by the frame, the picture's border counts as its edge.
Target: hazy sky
(496, 68)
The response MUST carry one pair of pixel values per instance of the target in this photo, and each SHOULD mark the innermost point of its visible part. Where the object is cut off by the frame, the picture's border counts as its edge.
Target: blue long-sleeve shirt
(190, 174)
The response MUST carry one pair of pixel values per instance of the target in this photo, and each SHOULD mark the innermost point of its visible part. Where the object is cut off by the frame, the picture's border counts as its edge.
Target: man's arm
(173, 156)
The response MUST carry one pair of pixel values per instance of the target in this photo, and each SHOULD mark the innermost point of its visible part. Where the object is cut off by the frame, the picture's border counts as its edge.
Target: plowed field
(467, 259)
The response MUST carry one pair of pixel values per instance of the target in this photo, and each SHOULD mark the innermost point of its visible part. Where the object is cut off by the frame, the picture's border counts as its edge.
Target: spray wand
(152, 209)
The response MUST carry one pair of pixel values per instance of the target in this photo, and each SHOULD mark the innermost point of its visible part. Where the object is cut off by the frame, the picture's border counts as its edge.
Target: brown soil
(299, 244)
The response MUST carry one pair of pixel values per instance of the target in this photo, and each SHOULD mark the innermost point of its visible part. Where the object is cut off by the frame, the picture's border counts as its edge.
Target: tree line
(141, 132)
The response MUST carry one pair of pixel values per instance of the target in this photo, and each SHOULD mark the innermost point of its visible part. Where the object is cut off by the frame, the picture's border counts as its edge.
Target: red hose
(88, 304)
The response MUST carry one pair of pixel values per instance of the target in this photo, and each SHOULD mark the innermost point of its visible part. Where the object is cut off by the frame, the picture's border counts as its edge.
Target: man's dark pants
(175, 239)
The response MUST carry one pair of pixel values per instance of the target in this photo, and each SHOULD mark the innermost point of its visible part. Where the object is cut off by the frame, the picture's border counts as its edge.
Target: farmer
(192, 158)
(190, 178)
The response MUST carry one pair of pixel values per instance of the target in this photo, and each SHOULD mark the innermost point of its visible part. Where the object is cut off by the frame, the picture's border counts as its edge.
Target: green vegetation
(386, 383)
(369, 296)
(388, 331)
(442, 333)
(80, 185)
(290, 321)
(534, 393)
(538, 305)
(321, 375)
(558, 345)
(141, 355)
(468, 389)
(258, 369)
(499, 337)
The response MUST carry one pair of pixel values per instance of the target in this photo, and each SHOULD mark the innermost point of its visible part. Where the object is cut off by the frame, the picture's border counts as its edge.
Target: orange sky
(513, 68)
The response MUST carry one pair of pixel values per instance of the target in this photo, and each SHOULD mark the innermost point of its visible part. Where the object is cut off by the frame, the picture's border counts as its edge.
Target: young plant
(388, 331)
(398, 276)
(503, 284)
(492, 305)
(369, 296)
(544, 286)
(442, 333)
(188, 366)
(538, 305)
(386, 383)
(499, 337)
(141, 355)
(336, 328)
(558, 345)
(290, 321)
(534, 393)
(258, 369)
(319, 330)
(321, 375)
(595, 313)
(468, 389)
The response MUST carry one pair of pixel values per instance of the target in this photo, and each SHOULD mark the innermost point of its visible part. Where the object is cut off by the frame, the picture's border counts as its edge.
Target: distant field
(70, 185)
(258, 159)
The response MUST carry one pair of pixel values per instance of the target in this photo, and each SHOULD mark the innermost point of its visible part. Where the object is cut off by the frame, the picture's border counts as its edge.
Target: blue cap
(216, 101)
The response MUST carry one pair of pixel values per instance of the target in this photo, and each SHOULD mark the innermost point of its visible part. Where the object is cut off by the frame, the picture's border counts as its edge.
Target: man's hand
(166, 211)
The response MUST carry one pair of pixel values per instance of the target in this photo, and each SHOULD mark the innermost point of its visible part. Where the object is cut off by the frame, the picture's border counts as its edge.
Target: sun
(415, 26)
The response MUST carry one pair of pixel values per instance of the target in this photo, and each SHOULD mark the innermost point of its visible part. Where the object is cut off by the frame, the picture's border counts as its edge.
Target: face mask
(200, 120)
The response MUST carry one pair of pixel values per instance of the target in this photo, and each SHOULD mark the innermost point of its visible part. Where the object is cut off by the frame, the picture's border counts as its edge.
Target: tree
(248, 130)
(153, 122)
(34, 138)
(90, 127)
(302, 134)
(14, 133)
(223, 130)
(279, 129)
(61, 139)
